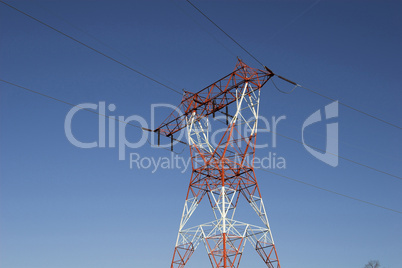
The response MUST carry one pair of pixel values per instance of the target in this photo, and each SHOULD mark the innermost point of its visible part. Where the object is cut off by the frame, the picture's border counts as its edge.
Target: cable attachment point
(287, 80)
(268, 70)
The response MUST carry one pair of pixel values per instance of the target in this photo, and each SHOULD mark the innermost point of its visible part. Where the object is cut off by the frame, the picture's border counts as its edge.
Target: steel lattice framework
(223, 172)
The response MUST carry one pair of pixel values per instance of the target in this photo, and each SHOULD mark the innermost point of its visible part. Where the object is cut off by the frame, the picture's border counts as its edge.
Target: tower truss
(222, 169)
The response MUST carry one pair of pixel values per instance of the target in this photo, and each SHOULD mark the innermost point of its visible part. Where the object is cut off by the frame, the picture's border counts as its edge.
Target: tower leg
(188, 240)
(181, 255)
(268, 254)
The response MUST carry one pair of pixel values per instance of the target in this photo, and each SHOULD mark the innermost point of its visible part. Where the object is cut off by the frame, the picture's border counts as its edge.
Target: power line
(352, 108)
(58, 16)
(82, 108)
(266, 170)
(251, 55)
(330, 191)
(203, 28)
(296, 84)
(66, 102)
(337, 155)
(294, 19)
(91, 48)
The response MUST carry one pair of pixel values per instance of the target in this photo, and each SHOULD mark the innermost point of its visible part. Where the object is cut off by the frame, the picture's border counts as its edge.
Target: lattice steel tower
(223, 172)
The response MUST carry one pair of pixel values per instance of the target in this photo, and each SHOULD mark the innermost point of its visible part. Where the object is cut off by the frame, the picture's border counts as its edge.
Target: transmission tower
(222, 172)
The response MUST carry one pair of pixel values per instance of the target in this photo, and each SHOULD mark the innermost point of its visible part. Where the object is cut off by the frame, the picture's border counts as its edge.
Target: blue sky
(63, 206)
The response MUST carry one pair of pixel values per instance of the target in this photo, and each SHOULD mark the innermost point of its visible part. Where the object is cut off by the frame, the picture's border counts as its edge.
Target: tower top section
(214, 97)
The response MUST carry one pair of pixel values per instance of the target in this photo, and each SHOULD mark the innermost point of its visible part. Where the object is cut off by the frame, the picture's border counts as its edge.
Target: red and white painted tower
(223, 171)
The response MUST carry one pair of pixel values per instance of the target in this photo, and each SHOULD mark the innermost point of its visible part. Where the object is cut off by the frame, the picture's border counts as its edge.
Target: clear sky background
(66, 207)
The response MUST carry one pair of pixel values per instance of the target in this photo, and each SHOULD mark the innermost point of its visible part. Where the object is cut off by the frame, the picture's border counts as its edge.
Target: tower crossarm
(214, 98)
